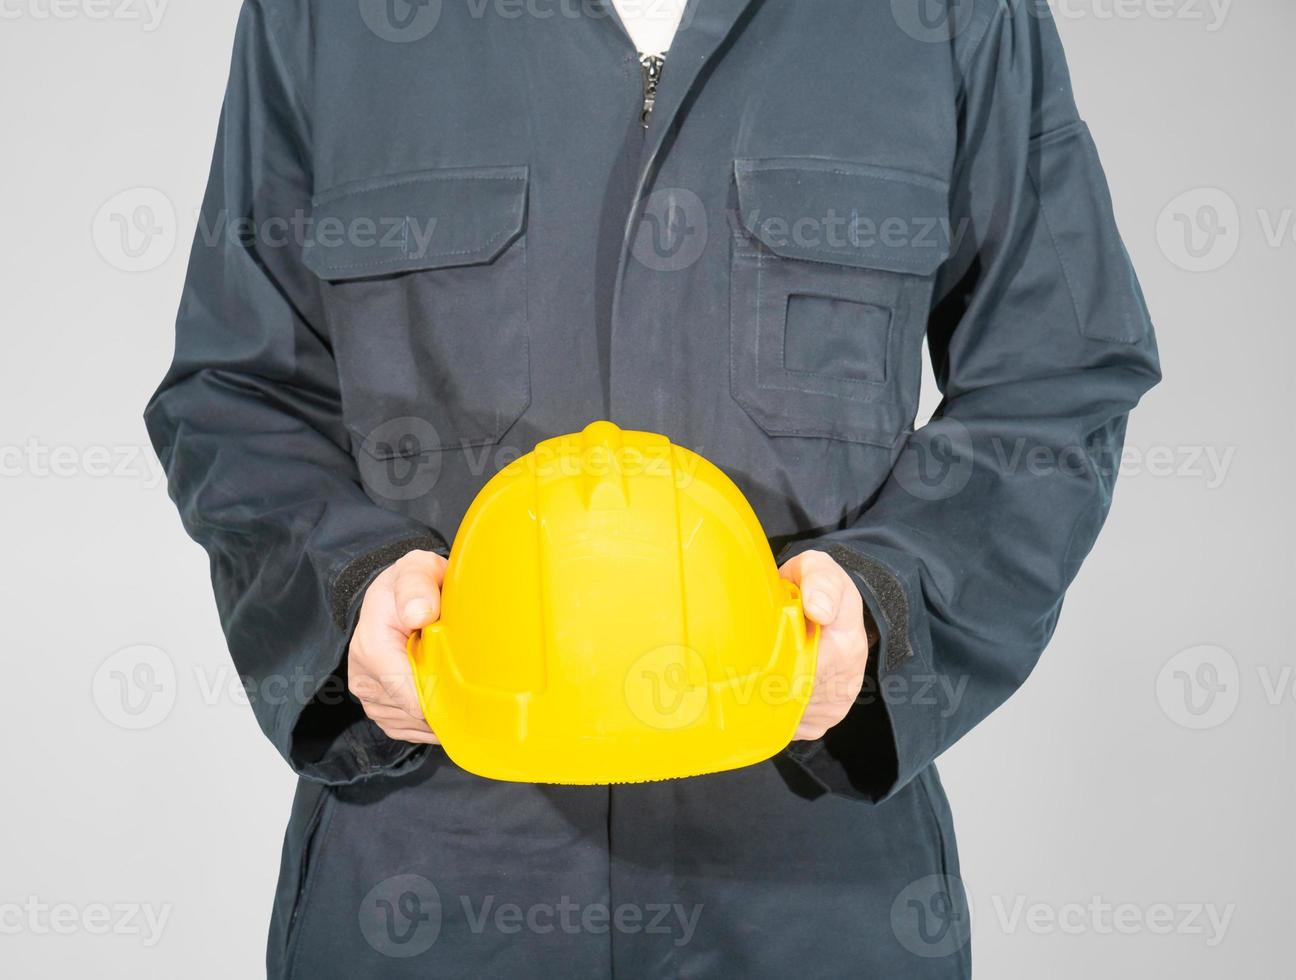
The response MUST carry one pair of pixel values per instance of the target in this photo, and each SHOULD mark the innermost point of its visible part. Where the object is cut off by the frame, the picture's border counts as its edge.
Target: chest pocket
(832, 271)
(426, 297)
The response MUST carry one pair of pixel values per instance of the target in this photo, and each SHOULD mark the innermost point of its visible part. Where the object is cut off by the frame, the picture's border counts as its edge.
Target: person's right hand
(403, 598)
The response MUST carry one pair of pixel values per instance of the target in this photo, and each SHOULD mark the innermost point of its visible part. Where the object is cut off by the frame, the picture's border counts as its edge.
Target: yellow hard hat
(612, 613)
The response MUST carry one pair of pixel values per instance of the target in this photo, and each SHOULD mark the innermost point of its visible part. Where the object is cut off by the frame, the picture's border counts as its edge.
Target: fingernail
(818, 604)
(417, 610)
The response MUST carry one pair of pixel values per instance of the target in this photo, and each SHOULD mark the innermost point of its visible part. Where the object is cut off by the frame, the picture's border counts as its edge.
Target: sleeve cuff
(332, 740)
(889, 735)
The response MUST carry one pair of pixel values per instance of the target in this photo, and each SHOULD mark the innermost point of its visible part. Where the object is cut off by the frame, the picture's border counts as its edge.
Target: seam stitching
(483, 247)
(353, 190)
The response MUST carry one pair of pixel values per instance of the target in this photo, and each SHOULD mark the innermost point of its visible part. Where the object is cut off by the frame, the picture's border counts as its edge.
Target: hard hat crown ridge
(611, 612)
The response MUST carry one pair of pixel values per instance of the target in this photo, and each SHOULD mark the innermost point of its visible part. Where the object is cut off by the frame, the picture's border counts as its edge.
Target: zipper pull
(652, 69)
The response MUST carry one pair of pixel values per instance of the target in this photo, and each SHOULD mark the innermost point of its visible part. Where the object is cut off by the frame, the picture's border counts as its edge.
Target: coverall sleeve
(1041, 345)
(247, 423)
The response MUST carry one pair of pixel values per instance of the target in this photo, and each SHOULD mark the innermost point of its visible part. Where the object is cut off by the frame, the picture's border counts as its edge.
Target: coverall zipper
(652, 69)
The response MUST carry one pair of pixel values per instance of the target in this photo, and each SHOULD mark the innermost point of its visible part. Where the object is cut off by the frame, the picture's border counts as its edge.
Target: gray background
(1146, 767)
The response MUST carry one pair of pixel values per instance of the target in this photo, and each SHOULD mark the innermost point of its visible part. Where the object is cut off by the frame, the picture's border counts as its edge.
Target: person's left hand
(830, 598)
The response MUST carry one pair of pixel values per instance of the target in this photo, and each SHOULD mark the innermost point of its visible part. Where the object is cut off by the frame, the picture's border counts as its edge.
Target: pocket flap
(847, 213)
(426, 220)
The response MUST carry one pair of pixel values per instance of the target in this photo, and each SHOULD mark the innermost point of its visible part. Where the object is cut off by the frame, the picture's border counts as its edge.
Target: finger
(387, 716)
(822, 589)
(840, 668)
(365, 688)
(373, 694)
(839, 680)
(363, 669)
(379, 671)
(400, 689)
(809, 733)
(407, 735)
(418, 589)
(791, 569)
(850, 652)
(842, 691)
(822, 582)
(819, 717)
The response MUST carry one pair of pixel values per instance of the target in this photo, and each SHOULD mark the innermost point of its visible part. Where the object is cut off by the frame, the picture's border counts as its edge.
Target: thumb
(821, 582)
(418, 589)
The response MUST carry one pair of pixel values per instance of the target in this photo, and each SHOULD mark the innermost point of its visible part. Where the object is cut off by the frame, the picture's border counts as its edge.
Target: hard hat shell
(612, 612)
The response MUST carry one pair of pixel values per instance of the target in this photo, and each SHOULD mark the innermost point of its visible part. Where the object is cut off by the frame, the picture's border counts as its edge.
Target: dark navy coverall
(437, 233)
